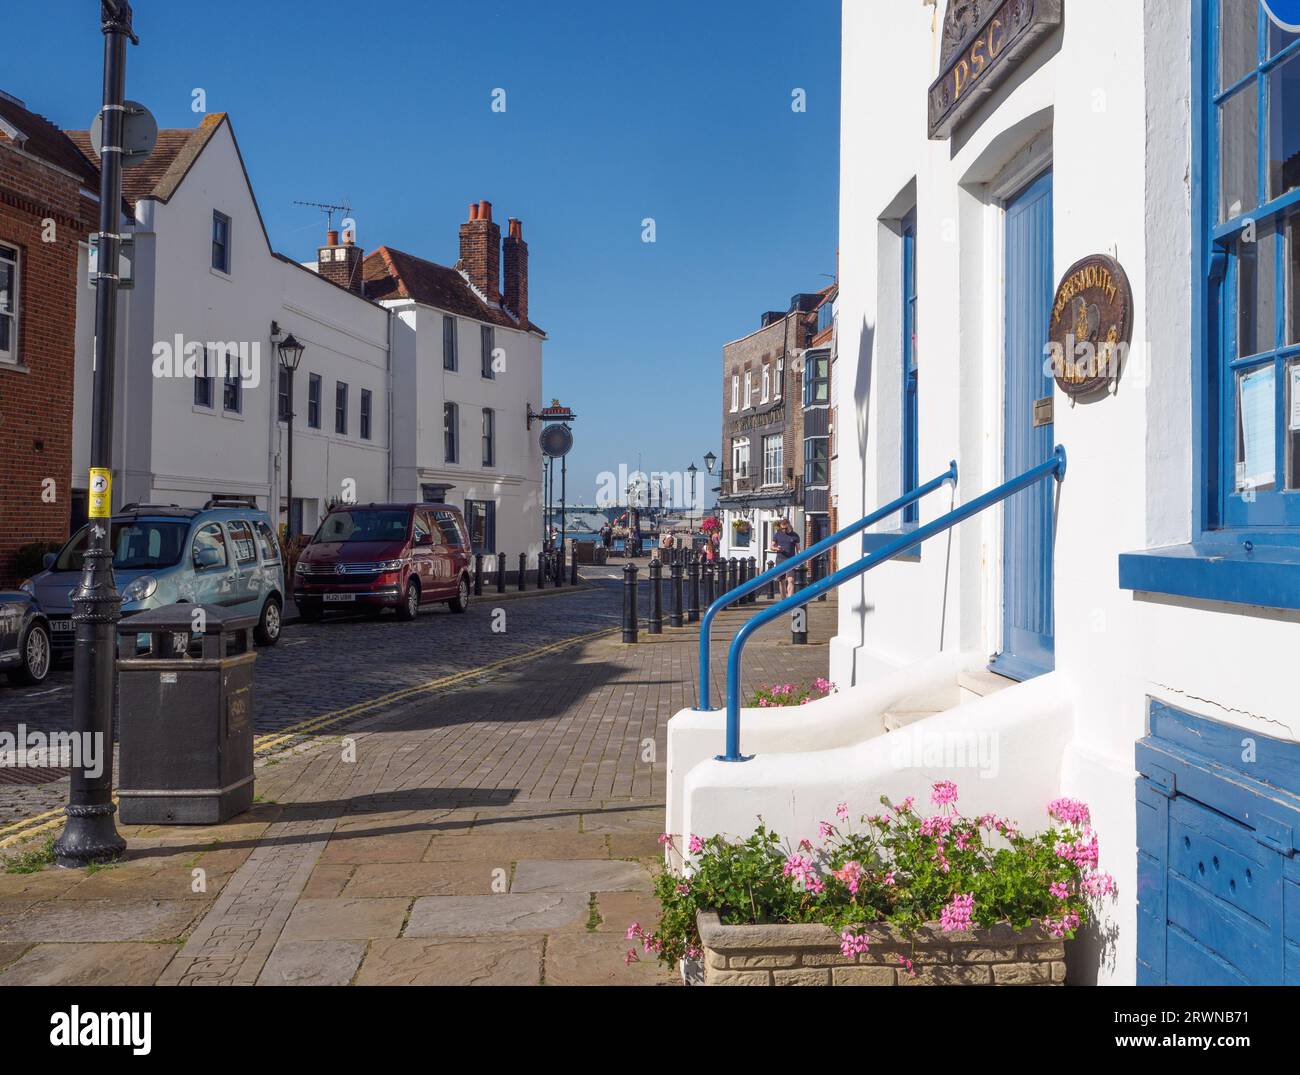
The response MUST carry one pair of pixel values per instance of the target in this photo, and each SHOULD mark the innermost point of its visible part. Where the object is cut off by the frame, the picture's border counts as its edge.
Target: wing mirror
(206, 557)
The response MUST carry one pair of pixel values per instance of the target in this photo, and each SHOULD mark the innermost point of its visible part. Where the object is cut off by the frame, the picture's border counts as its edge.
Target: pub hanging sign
(982, 41)
(1090, 326)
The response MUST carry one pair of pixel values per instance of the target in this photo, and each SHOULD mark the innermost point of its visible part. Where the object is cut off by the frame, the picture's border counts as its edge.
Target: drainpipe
(392, 336)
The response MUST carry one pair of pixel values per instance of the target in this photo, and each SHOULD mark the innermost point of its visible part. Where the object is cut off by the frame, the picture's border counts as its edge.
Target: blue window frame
(910, 410)
(1250, 224)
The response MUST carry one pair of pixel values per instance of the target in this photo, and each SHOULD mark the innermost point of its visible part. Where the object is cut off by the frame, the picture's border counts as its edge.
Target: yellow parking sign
(101, 492)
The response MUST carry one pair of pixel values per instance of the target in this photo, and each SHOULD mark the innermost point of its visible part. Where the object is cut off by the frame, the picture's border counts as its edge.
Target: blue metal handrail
(785, 566)
(1053, 467)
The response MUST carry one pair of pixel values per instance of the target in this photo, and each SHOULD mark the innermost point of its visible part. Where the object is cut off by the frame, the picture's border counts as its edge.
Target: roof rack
(230, 502)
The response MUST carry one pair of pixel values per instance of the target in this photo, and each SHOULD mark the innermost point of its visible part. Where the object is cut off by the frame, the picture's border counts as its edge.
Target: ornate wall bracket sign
(982, 40)
(1091, 326)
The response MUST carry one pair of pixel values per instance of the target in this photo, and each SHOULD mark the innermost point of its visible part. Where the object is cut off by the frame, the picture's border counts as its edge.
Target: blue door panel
(1028, 617)
(1190, 961)
(1218, 873)
(1203, 849)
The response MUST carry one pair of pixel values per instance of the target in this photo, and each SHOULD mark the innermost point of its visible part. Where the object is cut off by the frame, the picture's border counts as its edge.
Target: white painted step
(980, 683)
(909, 710)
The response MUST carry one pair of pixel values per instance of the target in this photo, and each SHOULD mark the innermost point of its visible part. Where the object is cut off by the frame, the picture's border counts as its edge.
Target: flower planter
(811, 955)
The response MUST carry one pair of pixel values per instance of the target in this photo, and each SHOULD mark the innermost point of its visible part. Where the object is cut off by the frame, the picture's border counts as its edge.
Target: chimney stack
(480, 251)
(341, 262)
(515, 258)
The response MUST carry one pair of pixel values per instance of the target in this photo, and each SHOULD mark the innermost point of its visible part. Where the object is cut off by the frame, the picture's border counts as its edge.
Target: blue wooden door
(1218, 877)
(1027, 615)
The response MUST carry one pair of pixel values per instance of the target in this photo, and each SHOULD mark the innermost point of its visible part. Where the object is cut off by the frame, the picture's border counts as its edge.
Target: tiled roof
(43, 139)
(392, 274)
(161, 173)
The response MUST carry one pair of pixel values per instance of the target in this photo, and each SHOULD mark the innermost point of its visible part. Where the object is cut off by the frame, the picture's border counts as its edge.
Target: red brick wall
(36, 405)
(480, 251)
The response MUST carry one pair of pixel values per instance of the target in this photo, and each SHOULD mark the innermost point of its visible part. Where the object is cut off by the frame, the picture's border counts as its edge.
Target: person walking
(785, 543)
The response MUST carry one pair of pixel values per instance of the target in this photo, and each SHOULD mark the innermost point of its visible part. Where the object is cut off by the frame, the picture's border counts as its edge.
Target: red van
(378, 556)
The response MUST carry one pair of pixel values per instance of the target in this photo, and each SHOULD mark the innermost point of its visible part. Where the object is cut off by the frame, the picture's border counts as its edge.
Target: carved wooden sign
(982, 39)
(1091, 325)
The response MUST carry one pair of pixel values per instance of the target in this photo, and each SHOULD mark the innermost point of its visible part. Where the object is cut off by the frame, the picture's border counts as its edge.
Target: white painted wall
(1105, 102)
(513, 482)
(177, 452)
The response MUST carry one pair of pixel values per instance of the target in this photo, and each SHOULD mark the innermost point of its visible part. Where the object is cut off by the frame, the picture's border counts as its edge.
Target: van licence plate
(62, 627)
(340, 597)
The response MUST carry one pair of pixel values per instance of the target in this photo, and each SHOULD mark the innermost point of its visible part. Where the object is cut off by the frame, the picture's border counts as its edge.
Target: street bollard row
(551, 566)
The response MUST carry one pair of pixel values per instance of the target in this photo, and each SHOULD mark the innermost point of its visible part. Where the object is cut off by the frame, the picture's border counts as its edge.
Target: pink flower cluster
(1066, 924)
(944, 793)
(696, 845)
(851, 875)
(852, 944)
(649, 944)
(1083, 852)
(805, 872)
(1070, 812)
(957, 915)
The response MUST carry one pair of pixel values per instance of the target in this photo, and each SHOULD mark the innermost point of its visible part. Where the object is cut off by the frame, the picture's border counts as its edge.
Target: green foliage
(33, 860)
(900, 868)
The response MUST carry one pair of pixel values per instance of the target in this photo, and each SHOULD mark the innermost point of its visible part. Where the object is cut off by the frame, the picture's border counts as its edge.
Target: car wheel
(410, 606)
(309, 612)
(268, 627)
(35, 657)
(461, 601)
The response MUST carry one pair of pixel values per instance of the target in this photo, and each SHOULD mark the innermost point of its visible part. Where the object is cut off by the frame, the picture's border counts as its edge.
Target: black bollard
(629, 603)
(799, 617)
(693, 609)
(501, 572)
(541, 570)
(523, 571)
(733, 572)
(478, 574)
(823, 566)
(656, 624)
(771, 588)
(750, 576)
(675, 614)
(573, 571)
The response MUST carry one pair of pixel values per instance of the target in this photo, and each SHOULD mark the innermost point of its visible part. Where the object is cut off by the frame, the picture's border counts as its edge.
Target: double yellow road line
(19, 831)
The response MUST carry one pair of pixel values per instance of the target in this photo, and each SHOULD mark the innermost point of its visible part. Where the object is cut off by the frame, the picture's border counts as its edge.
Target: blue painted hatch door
(1218, 818)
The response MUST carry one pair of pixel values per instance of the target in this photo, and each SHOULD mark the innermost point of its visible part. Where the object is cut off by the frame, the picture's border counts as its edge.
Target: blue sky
(675, 110)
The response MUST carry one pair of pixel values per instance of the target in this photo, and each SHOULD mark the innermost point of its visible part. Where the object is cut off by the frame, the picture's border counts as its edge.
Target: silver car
(215, 555)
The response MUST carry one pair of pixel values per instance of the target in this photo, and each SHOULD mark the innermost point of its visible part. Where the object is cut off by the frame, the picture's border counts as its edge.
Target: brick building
(763, 428)
(48, 207)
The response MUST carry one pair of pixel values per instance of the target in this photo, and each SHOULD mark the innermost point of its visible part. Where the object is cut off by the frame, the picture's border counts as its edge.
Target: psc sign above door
(1286, 13)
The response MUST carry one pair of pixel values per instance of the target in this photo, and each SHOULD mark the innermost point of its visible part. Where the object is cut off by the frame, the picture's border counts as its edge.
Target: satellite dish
(139, 134)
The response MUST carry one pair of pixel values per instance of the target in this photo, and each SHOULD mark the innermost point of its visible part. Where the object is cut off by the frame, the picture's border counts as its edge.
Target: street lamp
(692, 470)
(90, 834)
(290, 352)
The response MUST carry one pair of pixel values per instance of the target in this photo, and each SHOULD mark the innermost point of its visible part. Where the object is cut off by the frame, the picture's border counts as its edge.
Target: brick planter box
(810, 955)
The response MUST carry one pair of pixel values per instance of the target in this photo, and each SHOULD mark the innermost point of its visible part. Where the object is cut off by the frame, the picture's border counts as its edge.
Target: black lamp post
(90, 834)
(692, 470)
(290, 352)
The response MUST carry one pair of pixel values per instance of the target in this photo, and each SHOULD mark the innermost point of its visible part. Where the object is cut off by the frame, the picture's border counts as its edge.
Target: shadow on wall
(862, 420)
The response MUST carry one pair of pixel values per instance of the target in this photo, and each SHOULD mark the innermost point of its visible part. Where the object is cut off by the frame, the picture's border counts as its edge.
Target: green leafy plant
(33, 860)
(783, 694)
(901, 868)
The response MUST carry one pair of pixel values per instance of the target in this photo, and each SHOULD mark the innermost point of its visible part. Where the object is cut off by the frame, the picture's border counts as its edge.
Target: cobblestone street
(499, 829)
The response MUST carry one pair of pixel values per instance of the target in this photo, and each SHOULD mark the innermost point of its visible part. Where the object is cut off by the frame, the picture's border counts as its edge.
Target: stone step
(981, 683)
(917, 707)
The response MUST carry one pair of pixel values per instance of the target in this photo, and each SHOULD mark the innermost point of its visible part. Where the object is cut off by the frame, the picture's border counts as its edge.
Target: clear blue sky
(668, 109)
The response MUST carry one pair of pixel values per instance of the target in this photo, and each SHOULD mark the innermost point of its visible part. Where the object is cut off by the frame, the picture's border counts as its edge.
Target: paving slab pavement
(506, 834)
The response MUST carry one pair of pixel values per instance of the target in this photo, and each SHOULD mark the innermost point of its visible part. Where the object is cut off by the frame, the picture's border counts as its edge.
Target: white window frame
(773, 461)
(13, 256)
(739, 460)
(780, 378)
(735, 393)
(767, 383)
(749, 389)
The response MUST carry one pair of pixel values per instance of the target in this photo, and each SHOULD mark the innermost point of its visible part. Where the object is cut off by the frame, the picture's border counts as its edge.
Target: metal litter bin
(185, 708)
